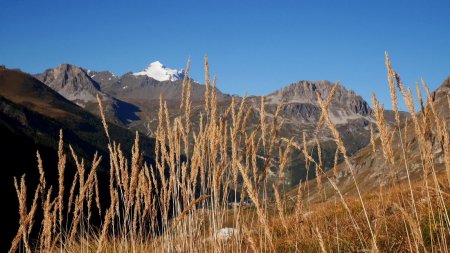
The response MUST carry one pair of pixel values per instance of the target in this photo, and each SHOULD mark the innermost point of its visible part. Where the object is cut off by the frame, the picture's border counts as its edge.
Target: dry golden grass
(195, 197)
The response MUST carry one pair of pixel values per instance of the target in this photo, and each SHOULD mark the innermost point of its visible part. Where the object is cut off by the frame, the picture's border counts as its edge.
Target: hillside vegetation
(219, 193)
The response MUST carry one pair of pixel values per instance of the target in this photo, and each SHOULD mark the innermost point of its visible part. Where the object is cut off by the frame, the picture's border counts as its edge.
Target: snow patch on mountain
(159, 72)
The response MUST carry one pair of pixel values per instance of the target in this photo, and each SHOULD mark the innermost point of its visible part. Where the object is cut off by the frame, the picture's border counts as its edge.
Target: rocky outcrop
(301, 102)
(71, 82)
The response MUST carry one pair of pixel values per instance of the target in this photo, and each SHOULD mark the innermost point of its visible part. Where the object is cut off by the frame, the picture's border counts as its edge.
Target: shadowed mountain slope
(31, 116)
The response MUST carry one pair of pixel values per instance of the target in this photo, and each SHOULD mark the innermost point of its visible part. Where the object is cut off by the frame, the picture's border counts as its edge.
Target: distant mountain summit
(159, 72)
(301, 102)
(77, 85)
(71, 82)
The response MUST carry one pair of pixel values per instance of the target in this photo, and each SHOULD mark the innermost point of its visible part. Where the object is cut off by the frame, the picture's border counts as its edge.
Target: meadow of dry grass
(211, 191)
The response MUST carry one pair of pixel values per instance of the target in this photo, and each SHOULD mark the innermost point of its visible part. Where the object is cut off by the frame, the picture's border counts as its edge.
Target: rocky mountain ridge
(346, 104)
(300, 112)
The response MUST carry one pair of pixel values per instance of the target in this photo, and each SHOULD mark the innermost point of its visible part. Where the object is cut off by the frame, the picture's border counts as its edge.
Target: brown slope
(31, 115)
(24, 90)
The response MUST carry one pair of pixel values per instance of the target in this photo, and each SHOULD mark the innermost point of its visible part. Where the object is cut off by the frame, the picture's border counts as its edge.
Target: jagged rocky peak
(304, 92)
(67, 75)
(72, 82)
(159, 72)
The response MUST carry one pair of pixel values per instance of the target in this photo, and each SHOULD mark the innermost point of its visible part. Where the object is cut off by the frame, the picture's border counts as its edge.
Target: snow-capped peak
(158, 71)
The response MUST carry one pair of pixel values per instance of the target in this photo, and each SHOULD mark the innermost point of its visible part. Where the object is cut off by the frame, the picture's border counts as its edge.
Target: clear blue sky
(254, 47)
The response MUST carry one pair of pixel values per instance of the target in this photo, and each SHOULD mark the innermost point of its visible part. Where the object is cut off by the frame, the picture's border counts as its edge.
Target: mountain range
(132, 101)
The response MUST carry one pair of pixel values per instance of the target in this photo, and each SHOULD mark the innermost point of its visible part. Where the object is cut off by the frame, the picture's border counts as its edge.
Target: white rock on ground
(224, 234)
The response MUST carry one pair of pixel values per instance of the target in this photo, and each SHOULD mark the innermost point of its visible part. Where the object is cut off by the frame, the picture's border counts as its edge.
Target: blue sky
(255, 47)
